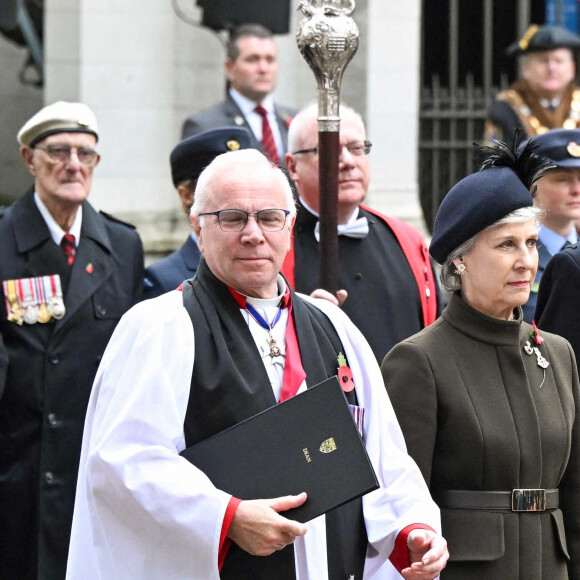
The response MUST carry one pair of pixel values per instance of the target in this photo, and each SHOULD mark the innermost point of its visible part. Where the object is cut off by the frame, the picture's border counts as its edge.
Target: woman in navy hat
(496, 433)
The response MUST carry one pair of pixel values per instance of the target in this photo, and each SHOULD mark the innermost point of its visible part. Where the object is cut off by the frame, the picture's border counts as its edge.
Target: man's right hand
(260, 530)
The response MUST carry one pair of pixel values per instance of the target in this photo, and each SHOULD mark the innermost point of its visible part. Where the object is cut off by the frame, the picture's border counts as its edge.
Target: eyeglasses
(86, 155)
(356, 148)
(235, 220)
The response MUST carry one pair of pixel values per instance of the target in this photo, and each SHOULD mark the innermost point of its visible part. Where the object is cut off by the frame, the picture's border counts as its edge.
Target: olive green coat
(478, 414)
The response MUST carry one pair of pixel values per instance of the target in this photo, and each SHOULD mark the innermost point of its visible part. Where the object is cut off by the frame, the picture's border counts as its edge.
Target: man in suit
(546, 97)
(558, 195)
(188, 160)
(384, 262)
(68, 275)
(251, 69)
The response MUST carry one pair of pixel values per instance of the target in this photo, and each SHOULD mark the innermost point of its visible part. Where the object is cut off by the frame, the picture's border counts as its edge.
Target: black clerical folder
(308, 443)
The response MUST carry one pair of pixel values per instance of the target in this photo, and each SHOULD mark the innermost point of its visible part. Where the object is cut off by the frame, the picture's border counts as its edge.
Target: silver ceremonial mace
(328, 38)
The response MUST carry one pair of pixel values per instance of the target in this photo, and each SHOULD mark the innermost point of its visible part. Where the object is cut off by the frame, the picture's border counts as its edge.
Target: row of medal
(33, 300)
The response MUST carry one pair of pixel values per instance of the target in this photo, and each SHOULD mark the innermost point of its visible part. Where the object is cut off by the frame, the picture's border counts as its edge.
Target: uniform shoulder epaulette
(117, 220)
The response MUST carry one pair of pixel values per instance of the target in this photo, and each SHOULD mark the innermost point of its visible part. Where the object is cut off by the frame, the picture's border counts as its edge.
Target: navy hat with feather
(501, 186)
(190, 157)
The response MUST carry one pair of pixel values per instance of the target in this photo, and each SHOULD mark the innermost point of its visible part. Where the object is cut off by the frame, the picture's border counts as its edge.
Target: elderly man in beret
(188, 159)
(68, 275)
(546, 97)
(558, 195)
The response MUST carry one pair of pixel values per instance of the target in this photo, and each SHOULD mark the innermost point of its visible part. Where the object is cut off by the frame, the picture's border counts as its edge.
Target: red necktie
(69, 248)
(268, 142)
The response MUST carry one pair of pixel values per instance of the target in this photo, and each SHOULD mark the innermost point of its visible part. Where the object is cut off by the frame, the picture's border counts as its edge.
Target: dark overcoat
(169, 272)
(51, 368)
(480, 414)
(558, 308)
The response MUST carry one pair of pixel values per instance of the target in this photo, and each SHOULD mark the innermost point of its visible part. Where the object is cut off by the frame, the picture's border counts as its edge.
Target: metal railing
(454, 106)
(451, 120)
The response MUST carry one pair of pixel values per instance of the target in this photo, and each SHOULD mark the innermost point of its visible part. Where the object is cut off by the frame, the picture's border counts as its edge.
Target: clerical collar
(56, 232)
(282, 295)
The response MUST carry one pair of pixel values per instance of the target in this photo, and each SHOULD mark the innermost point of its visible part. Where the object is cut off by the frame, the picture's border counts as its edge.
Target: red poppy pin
(535, 336)
(344, 374)
(89, 268)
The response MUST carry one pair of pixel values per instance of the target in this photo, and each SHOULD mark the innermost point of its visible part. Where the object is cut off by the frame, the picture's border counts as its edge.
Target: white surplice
(143, 512)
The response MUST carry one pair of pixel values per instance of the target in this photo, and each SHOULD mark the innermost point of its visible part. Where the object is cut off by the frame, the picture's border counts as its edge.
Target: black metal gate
(462, 67)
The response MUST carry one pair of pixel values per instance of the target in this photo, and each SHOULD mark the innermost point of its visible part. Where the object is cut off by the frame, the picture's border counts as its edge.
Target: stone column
(393, 79)
(118, 58)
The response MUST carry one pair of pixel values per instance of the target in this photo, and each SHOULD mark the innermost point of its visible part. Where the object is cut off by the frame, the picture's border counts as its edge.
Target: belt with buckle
(517, 500)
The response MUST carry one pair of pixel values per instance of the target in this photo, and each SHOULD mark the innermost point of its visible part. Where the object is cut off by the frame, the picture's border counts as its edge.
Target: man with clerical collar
(192, 362)
(384, 262)
(546, 97)
(558, 195)
(251, 69)
(187, 160)
(68, 274)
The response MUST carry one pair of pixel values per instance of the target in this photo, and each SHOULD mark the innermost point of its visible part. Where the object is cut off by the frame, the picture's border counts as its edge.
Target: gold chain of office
(524, 111)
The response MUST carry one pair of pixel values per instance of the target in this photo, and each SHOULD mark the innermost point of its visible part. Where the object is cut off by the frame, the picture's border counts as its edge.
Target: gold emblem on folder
(328, 446)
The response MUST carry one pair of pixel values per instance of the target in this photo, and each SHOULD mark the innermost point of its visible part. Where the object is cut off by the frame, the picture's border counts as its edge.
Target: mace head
(327, 38)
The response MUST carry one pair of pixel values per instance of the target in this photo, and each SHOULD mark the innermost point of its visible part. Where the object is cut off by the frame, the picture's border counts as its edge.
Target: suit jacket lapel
(42, 257)
(235, 114)
(283, 124)
(93, 264)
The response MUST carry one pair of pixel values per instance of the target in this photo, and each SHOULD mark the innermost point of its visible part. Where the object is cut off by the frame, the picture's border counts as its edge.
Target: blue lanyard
(274, 349)
(261, 320)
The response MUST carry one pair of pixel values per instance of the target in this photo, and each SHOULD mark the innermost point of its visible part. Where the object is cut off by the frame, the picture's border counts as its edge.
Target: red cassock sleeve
(400, 555)
(225, 542)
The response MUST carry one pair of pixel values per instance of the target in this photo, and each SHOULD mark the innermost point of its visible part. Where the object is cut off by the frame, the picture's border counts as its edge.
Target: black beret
(546, 37)
(562, 146)
(190, 157)
(473, 204)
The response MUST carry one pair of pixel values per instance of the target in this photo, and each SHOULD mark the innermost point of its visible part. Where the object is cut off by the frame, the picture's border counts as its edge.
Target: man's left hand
(338, 300)
(427, 553)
